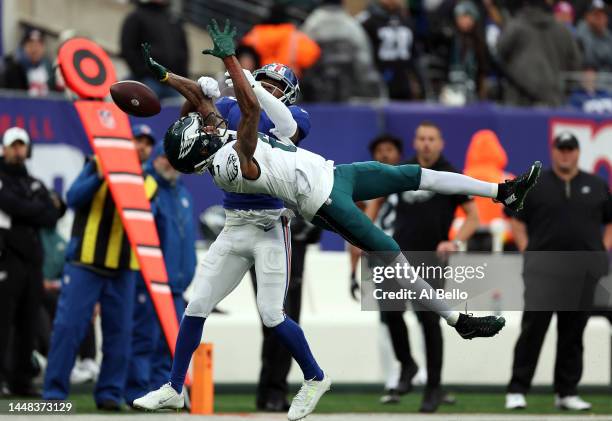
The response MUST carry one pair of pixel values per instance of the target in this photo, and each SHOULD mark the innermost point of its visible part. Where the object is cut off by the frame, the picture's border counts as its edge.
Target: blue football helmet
(283, 74)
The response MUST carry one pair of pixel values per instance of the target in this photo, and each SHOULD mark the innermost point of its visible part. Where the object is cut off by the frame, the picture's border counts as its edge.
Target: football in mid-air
(135, 98)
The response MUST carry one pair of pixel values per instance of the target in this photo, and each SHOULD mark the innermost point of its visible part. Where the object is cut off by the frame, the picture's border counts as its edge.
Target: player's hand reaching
(223, 41)
(157, 69)
(249, 77)
(210, 87)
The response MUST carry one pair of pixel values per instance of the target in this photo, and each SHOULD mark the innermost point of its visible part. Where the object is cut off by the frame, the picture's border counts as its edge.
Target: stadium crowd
(456, 52)
(449, 51)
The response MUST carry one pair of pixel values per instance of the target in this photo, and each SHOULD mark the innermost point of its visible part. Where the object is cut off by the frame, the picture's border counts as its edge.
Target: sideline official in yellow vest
(101, 267)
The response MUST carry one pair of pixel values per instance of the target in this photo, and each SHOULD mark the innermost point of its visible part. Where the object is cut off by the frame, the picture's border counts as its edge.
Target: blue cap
(144, 130)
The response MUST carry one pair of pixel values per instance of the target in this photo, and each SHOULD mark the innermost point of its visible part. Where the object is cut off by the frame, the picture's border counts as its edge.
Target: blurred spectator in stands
(390, 30)
(590, 99)
(346, 68)
(494, 17)
(534, 49)
(467, 58)
(25, 207)
(486, 160)
(152, 21)
(277, 40)
(564, 13)
(581, 7)
(595, 38)
(29, 69)
(248, 58)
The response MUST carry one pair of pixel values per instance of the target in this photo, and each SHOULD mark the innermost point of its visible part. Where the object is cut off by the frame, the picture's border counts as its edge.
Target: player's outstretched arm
(249, 107)
(285, 126)
(189, 89)
(223, 48)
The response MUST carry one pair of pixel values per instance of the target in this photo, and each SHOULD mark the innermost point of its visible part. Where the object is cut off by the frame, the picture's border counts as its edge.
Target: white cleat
(572, 403)
(307, 398)
(84, 371)
(163, 398)
(515, 401)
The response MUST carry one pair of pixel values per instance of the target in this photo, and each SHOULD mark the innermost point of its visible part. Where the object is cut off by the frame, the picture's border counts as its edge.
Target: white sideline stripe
(150, 251)
(137, 214)
(160, 288)
(114, 143)
(126, 179)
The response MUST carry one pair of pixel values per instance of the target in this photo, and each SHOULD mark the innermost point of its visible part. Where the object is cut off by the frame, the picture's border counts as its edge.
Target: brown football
(135, 98)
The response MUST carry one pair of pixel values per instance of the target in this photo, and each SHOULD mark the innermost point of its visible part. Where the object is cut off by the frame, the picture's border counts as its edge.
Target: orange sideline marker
(202, 389)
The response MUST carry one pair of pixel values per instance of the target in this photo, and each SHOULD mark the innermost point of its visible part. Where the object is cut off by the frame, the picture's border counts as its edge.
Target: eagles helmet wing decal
(187, 140)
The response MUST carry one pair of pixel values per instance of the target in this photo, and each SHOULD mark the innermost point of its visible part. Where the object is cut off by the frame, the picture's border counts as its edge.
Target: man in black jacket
(421, 229)
(564, 231)
(169, 44)
(25, 207)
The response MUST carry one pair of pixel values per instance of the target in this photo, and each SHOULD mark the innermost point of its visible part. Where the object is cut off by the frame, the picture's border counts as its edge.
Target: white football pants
(232, 254)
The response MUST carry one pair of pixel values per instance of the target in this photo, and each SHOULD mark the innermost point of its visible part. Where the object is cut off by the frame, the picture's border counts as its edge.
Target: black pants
(568, 364)
(275, 359)
(430, 323)
(20, 300)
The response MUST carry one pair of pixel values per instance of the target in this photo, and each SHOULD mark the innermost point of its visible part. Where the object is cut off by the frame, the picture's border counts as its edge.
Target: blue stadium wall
(342, 133)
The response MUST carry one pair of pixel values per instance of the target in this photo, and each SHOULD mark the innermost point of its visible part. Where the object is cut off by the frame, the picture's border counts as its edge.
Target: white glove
(249, 77)
(210, 87)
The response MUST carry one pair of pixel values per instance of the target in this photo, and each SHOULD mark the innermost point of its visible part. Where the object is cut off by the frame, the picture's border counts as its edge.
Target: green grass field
(368, 403)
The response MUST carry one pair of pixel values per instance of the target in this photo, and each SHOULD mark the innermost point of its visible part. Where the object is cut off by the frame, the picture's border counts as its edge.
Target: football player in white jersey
(249, 162)
(259, 237)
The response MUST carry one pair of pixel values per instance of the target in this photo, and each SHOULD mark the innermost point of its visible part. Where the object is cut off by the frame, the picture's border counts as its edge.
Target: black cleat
(470, 327)
(404, 385)
(512, 193)
(432, 399)
(108, 405)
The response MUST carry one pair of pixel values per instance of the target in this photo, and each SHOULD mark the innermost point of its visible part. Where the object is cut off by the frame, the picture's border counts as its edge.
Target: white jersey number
(275, 143)
(395, 43)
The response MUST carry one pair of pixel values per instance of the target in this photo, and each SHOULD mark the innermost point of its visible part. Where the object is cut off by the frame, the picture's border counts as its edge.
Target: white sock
(453, 183)
(452, 318)
(438, 306)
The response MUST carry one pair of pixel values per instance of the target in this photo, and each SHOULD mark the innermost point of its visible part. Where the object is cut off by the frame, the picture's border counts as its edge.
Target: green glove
(157, 69)
(223, 42)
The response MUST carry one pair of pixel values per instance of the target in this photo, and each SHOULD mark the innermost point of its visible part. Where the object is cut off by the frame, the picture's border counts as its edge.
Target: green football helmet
(189, 148)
